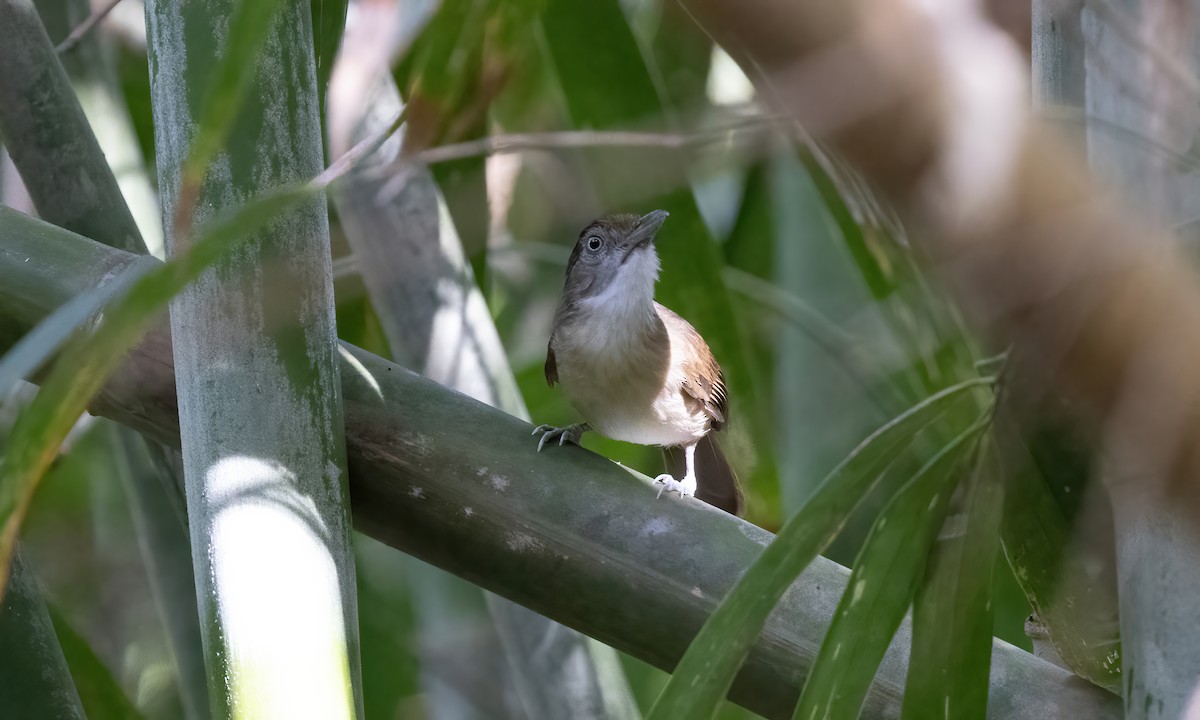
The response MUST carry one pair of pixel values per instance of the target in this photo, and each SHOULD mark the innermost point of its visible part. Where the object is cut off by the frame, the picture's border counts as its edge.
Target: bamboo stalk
(91, 67)
(255, 341)
(565, 533)
(41, 122)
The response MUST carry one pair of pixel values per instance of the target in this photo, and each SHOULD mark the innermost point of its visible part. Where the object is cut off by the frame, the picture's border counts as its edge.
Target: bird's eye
(594, 243)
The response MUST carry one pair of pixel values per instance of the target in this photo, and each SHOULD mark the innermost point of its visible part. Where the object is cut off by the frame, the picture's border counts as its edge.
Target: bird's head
(615, 257)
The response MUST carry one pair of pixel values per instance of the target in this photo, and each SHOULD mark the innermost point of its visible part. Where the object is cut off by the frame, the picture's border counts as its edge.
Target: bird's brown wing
(703, 383)
(551, 365)
(707, 389)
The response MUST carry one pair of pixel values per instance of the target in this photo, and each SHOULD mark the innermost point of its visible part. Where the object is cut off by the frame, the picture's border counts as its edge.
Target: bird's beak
(647, 226)
(643, 232)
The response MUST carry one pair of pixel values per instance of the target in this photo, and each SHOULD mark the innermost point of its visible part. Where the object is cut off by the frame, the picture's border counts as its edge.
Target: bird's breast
(624, 384)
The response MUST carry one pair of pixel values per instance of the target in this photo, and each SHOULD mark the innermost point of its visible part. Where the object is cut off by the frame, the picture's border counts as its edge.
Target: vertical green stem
(257, 371)
(41, 122)
(91, 67)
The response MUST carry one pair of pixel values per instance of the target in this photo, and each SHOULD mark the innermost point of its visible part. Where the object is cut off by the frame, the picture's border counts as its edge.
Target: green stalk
(43, 125)
(255, 346)
(91, 66)
(952, 610)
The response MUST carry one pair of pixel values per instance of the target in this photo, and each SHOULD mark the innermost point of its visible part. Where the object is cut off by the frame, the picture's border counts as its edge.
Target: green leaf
(329, 22)
(36, 680)
(1070, 584)
(691, 282)
(952, 615)
(851, 212)
(153, 484)
(841, 347)
(86, 363)
(810, 378)
(886, 575)
(750, 245)
(682, 53)
(707, 669)
(588, 74)
(923, 322)
(40, 344)
(99, 691)
(445, 58)
(387, 618)
(458, 67)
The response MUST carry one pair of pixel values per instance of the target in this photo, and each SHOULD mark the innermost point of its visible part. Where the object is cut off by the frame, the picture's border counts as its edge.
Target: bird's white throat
(629, 298)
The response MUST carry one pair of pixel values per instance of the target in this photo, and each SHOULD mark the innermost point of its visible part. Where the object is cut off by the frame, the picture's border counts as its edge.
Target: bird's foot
(685, 487)
(564, 435)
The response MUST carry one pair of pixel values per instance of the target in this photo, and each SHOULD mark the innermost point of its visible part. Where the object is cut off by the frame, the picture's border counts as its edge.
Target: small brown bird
(633, 369)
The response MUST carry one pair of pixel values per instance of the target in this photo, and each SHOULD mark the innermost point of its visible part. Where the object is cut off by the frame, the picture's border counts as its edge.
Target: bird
(633, 369)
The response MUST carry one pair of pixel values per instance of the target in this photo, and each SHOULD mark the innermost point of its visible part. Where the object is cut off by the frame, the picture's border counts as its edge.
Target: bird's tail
(716, 482)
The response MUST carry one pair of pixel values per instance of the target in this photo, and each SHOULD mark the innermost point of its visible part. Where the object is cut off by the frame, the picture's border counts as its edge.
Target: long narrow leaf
(885, 577)
(952, 616)
(99, 692)
(867, 242)
(33, 350)
(85, 364)
(707, 669)
(153, 483)
(1074, 598)
(34, 675)
(329, 23)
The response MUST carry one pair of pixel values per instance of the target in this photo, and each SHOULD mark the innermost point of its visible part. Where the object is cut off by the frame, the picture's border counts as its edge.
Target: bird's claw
(564, 435)
(685, 487)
